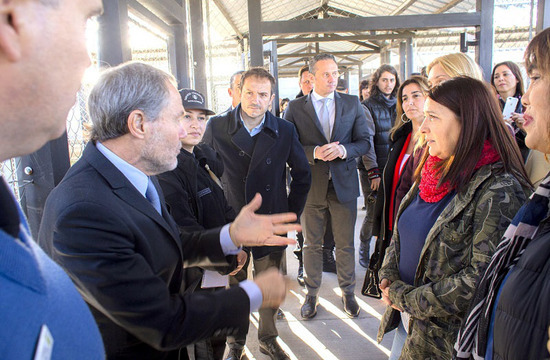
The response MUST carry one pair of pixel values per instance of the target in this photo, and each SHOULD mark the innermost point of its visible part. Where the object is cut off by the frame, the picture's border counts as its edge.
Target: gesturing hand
(273, 286)
(251, 229)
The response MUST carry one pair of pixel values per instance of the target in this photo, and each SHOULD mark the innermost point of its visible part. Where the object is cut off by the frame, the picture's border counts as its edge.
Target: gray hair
(232, 80)
(123, 89)
(320, 57)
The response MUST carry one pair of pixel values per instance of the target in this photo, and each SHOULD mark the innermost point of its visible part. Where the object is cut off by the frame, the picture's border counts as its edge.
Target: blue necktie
(324, 118)
(152, 195)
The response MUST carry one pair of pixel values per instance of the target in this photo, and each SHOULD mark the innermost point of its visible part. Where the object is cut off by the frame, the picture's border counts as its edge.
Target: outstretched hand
(251, 229)
(273, 287)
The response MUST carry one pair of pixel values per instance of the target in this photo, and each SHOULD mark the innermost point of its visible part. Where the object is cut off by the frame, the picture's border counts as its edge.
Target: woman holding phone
(507, 81)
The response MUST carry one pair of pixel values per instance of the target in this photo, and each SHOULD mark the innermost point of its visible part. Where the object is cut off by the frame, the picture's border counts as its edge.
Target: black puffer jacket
(382, 110)
(522, 316)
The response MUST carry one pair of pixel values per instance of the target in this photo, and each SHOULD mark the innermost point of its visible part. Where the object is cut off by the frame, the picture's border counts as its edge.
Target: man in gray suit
(332, 128)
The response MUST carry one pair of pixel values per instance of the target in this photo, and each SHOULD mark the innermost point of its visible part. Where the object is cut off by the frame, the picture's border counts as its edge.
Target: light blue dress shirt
(140, 181)
(255, 131)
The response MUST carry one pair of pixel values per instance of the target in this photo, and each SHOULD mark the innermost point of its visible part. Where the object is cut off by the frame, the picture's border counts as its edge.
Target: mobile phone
(509, 107)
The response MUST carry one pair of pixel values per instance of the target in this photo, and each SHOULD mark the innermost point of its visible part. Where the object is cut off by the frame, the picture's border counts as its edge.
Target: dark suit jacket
(350, 129)
(258, 165)
(127, 261)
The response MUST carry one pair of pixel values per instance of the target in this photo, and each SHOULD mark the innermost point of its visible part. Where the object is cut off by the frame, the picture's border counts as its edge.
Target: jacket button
(267, 187)
(268, 161)
(241, 153)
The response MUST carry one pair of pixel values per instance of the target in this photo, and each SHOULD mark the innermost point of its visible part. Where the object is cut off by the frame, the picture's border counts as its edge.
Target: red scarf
(430, 192)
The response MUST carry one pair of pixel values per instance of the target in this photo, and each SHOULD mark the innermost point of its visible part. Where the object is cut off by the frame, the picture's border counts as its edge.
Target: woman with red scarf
(468, 186)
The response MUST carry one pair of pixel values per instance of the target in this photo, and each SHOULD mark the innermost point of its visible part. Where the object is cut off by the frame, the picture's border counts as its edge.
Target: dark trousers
(266, 329)
(365, 184)
(366, 228)
(209, 349)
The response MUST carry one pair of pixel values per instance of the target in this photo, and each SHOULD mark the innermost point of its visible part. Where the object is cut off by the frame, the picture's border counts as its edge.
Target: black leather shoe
(309, 309)
(329, 264)
(300, 276)
(273, 349)
(236, 354)
(364, 255)
(350, 305)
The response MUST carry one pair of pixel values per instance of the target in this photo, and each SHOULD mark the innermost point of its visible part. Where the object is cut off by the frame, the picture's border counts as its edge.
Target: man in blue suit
(41, 313)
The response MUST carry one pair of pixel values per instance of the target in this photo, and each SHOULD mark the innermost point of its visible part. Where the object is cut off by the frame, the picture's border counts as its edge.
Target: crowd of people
(145, 246)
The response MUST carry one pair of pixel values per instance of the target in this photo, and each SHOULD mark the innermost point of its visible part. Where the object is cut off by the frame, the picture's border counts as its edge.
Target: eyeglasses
(334, 74)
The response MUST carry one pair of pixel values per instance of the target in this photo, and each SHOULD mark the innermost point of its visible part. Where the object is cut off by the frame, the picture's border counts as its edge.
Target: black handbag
(370, 285)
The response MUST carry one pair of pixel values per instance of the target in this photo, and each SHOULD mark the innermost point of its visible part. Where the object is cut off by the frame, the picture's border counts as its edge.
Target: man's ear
(10, 47)
(136, 124)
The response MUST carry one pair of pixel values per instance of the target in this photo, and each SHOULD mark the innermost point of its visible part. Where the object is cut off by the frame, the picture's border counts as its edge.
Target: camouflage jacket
(457, 250)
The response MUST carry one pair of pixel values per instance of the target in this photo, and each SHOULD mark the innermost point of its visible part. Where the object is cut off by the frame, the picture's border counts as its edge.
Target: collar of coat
(271, 126)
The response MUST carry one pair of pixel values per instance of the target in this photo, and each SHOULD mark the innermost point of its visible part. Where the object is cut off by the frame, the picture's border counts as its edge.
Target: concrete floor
(331, 334)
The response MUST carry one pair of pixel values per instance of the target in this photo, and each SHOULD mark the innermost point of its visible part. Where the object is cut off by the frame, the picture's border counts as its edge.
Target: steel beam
(402, 60)
(227, 17)
(168, 11)
(255, 32)
(402, 22)
(273, 69)
(449, 6)
(543, 15)
(199, 53)
(410, 57)
(114, 47)
(335, 53)
(485, 37)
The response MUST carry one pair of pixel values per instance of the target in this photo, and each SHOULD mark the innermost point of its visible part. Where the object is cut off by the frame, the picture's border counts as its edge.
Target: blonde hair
(457, 64)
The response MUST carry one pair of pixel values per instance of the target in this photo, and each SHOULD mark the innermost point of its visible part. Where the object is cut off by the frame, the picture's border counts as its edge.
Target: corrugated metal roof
(229, 21)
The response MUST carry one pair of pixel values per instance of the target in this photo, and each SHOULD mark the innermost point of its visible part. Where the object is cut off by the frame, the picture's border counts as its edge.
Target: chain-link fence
(148, 43)
(8, 170)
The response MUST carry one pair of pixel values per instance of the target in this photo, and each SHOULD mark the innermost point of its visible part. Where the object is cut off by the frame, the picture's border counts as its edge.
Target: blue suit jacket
(34, 291)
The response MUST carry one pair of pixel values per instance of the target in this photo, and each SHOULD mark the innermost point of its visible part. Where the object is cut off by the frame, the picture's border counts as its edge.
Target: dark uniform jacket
(127, 261)
(195, 200)
(258, 165)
